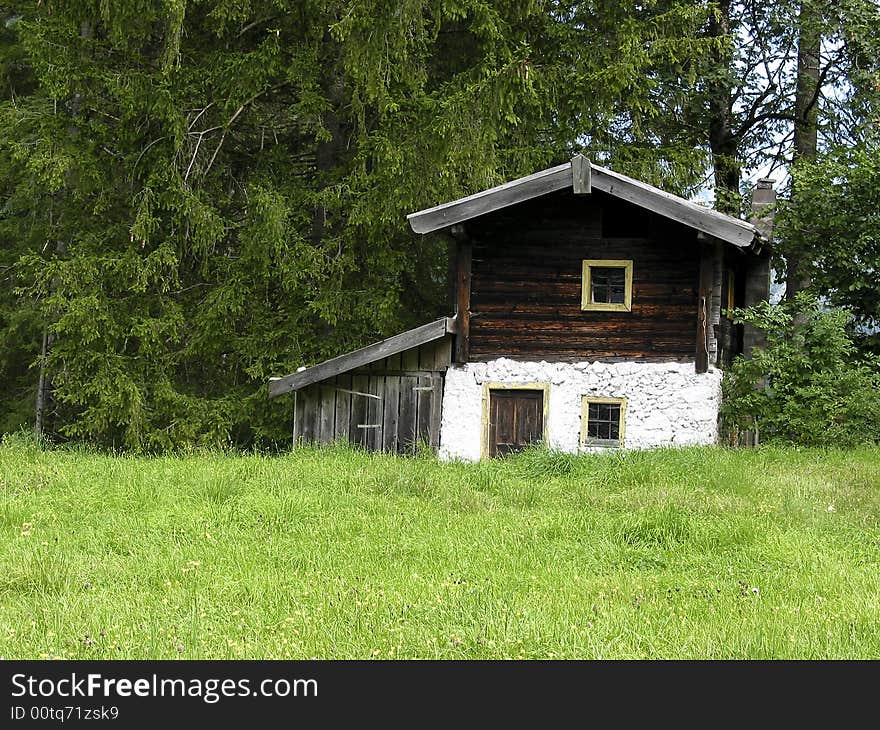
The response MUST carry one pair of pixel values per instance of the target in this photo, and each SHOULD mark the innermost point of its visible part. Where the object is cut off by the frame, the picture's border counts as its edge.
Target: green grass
(693, 553)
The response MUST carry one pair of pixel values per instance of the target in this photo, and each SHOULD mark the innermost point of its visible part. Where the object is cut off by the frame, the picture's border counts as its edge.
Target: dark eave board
(570, 175)
(358, 358)
(510, 193)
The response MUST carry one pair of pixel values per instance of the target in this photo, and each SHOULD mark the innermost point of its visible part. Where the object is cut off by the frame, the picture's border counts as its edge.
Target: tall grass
(335, 553)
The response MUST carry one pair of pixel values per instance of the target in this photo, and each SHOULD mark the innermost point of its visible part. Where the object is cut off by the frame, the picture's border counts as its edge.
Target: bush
(808, 385)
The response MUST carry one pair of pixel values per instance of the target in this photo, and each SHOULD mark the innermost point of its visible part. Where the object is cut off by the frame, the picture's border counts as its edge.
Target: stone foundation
(668, 404)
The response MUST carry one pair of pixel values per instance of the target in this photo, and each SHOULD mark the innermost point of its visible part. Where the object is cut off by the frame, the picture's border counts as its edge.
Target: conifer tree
(199, 196)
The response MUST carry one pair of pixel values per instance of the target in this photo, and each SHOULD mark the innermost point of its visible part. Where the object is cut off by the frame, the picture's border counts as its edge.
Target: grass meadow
(334, 553)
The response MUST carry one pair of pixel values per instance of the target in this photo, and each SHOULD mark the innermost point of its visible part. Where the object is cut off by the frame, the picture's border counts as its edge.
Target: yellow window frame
(586, 400)
(587, 303)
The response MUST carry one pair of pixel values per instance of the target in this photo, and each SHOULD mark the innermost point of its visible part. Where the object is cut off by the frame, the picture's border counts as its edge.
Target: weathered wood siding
(526, 281)
(389, 405)
(731, 336)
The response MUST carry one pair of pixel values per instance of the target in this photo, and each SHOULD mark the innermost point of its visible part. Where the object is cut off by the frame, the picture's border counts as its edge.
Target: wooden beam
(366, 355)
(727, 228)
(486, 201)
(463, 300)
(704, 303)
(580, 175)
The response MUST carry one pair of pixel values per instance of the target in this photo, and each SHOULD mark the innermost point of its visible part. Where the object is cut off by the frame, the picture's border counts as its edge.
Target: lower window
(602, 421)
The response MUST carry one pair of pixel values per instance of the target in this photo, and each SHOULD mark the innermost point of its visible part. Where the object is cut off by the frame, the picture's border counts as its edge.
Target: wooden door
(516, 419)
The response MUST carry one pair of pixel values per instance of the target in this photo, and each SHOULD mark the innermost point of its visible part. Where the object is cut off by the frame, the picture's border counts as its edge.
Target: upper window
(607, 285)
(602, 421)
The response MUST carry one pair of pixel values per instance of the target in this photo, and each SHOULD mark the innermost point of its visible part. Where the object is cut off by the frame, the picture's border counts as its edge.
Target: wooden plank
(409, 360)
(703, 307)
(391, 404)
(358, 436)
(325, 432)
(424, 395)
(407, 414)
(375, 413)
(436, 411)
(366, 355)
(463, 300)
(393, 363)
(443, 354)
(311, 405)
(540, 328)
(343, 408)
(298, 414)
(580, 175)
(715, 301)
(529, 425)
(435, 355)
(581, 348)
(412, 373)
(510, 193)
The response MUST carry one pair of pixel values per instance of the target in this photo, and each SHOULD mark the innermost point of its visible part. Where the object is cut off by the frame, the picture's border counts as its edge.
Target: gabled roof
(366, 355)
(581, 176)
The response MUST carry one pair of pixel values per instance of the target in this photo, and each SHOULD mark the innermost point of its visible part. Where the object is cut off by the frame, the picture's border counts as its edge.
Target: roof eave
(364, 356)
(726, 228)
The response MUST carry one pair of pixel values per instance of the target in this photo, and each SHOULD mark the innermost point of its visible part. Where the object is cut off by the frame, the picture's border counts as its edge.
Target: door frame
(490, 386)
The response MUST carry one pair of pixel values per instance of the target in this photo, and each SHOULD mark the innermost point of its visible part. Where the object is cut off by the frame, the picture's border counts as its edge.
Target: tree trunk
(39, 416)
(722, 138)
(44, 383)
(805, 126)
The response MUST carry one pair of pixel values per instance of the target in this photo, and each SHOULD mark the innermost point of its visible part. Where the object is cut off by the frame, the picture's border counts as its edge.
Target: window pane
(603, 421)
(614, 412)
(608, 284)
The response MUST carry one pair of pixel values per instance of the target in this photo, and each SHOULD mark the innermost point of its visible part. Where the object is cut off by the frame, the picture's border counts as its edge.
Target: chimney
(764, 199)
(757, 286)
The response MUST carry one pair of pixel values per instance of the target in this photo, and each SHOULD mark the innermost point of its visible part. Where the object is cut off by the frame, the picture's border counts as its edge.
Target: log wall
(526, 269)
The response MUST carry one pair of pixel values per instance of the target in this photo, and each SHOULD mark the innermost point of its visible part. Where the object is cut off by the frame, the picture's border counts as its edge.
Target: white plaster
(668, 404)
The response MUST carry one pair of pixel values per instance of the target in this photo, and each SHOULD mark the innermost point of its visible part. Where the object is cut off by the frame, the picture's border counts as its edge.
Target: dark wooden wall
(389, 405)
(526, 281)
(728, 334)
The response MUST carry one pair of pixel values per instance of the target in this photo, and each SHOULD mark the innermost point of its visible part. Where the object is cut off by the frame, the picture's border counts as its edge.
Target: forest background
(196, 196)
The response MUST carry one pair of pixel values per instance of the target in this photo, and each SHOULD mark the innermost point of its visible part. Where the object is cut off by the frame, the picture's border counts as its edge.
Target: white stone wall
(668, 404)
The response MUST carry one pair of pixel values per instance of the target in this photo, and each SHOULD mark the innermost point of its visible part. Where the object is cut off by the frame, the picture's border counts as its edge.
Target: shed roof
(358, 358)
(581, 176)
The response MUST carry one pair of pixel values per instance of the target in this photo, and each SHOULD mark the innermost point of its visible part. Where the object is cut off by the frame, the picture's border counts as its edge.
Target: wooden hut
(590, 314)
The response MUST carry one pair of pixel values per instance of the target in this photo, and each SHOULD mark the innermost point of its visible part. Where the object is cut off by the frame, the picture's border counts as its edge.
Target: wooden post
(580, 175)
(714, 326)
(704, 302)
(463, 300)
